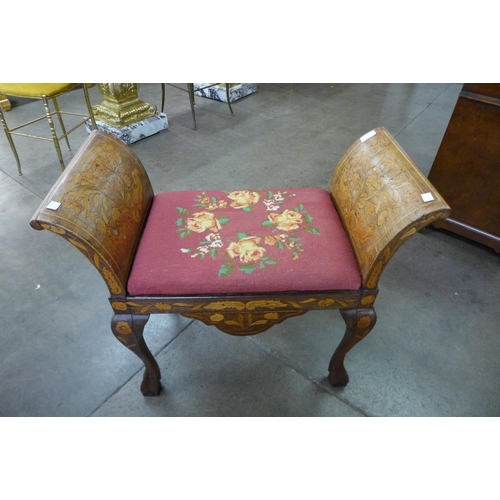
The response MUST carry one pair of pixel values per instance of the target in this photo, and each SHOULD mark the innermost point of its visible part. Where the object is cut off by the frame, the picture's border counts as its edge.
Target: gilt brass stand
(124, 115)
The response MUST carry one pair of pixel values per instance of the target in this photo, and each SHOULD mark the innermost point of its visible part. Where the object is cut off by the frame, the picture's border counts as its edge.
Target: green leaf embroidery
(247, 209)
(183, 232)
(247, 268)
(226, 269)
(182, 210)
(242, 235)
(180, 222)
(223, 220)
(311, 229)
(266, 261)
(267, 223)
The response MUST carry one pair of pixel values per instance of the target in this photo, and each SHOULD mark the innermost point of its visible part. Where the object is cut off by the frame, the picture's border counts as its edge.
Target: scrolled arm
(100, 204)
(382, 199)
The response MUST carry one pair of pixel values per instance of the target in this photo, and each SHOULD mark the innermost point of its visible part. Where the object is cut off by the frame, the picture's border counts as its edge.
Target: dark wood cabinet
(466, 170)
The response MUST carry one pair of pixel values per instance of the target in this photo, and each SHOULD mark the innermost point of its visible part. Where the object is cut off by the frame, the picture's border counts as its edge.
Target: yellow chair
(46, 92)
(191, 92)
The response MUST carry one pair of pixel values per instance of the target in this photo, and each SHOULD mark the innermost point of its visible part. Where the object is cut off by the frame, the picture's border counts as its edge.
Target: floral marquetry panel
(244, 323)
(100, 204)
(382, 198)
(244, 303)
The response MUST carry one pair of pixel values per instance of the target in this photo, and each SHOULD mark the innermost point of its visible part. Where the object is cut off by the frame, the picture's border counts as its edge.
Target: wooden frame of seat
(100, 204)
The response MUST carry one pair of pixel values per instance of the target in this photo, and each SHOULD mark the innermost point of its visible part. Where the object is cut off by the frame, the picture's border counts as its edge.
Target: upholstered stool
(46, 92)
(245, 259)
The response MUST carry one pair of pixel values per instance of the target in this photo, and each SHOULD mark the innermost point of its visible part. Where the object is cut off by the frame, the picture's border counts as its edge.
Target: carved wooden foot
(359, 323)
(128, 329)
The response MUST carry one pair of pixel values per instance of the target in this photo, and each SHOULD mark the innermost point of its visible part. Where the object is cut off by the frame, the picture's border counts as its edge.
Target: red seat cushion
(217, 242)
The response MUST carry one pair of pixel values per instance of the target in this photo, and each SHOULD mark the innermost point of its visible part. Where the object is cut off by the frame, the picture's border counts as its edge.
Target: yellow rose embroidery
(243, 199)
(246, 249)
(209, 203)
(287, 221)
(203, 221)
(216, 205)
(245, 254)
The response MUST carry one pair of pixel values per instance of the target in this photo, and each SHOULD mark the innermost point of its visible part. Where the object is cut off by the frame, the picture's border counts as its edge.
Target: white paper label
(427, 197)
(367, 136)
(53, 205)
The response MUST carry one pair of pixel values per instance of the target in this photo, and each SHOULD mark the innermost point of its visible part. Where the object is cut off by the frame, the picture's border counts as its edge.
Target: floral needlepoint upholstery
(243, 241)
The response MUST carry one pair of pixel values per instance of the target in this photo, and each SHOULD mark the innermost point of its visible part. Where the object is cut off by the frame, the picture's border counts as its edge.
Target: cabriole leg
(128, 329)
(359, 323)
